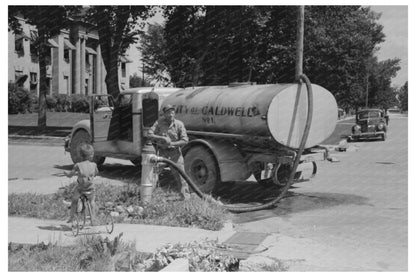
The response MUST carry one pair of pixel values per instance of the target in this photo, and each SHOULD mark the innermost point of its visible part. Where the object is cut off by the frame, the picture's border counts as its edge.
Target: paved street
(351, 217)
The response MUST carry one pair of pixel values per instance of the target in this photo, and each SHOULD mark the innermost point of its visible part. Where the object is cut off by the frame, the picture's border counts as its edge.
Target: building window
(33, 81)
(86, 86)
(66, 85)
(123, 70)
(66, 55)
(17, 74)
(18, 46)
(34, 53)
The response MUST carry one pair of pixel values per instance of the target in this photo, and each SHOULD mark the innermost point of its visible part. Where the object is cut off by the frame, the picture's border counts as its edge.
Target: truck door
(101, 118)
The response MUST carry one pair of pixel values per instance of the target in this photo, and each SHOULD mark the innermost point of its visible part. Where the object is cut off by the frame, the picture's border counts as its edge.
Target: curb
(34, 137)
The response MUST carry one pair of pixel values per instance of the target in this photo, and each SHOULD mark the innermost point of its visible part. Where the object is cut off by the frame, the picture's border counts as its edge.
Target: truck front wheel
(201, 166)
(79, 137)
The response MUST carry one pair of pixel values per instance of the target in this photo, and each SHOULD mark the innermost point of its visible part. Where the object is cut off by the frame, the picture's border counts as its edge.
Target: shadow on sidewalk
(61, 227)
(52, 131)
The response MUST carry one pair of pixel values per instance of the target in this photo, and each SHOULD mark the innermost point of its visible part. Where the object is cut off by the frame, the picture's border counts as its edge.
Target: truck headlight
(380, 126)
(357, 128)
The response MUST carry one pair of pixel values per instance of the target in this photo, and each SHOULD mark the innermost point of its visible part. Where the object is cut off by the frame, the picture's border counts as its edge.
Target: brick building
(74, 65)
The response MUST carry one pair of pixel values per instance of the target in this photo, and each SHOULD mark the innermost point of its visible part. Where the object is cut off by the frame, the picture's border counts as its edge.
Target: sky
(393, 18)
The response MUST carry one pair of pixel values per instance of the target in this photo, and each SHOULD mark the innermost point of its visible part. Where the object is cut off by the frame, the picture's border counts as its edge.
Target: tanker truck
(235, 131)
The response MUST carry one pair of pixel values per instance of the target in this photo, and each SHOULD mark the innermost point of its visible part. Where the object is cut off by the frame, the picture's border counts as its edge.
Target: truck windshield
(366, 115)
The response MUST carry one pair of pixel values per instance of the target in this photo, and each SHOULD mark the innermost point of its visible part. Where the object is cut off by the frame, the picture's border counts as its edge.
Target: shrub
(20, 99)
(34, 106)
(63, 102)
(80, 103)
(51, 103)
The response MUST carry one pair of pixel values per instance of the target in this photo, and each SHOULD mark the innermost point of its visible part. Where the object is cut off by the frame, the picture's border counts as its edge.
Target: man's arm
(182, 135)
(153, 132)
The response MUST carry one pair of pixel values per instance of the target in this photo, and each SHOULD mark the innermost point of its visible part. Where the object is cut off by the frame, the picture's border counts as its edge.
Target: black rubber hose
(291, 176)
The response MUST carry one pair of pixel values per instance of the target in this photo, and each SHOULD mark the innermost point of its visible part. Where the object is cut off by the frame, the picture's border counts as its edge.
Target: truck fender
(232, 166)
(81, 125)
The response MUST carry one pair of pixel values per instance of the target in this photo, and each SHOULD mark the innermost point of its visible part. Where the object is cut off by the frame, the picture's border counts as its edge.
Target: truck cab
(116, 126)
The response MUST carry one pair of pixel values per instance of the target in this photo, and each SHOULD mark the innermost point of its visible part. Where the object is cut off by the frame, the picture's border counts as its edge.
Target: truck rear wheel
(201, 166)
(79, 137)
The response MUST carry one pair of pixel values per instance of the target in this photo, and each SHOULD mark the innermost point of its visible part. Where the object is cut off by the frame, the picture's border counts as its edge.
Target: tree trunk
(111, 79)
(44, 88)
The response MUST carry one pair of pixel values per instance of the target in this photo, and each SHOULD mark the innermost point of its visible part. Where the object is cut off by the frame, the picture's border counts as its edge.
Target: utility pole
(299, 42)
(143, 74)
(366, 93)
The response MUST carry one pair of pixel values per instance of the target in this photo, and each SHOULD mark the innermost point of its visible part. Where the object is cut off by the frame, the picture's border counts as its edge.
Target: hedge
(23, 101)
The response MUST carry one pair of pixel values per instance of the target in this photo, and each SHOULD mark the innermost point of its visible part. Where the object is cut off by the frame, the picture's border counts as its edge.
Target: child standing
(86, 171)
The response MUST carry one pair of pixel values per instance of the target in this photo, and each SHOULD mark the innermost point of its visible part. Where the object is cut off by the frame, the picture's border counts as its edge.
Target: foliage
(206, 256)
(380, 93)
(216, 45)
(90, 253)
(116, 27)
(136, 81)
(80, 103)
(95, 253)
(403, 98)
(20, 99)
(63, 102)
(153, 49)
(51, 102)
(164, 209)
(58, 18)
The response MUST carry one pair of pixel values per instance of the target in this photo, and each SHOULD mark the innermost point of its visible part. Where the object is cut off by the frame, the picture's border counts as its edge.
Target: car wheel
(79, 137)
(383, 137)
(202, 168)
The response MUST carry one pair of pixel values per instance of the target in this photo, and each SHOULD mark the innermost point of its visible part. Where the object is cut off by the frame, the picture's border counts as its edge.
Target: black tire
(79, 137)
(383, 137)
(202, 168)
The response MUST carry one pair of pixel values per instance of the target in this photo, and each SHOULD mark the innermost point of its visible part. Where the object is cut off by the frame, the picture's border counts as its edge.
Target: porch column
(83, 66)
(77, 68)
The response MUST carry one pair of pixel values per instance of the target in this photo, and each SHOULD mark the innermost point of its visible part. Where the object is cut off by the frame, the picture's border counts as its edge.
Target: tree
(403, 98)
(214, 45)
(380, 92)
(117, 29)
(136, 81)
(153, 49)
(49, 21)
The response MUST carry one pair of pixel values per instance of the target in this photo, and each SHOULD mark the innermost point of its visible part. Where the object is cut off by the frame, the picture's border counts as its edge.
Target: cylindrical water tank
(277, 110)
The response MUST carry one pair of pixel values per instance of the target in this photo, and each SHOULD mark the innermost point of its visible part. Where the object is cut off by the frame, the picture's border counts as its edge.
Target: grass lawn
(58, 124)
(165, 208)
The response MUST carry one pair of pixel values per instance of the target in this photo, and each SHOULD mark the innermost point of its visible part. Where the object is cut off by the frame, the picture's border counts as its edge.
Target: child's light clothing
(85, 171)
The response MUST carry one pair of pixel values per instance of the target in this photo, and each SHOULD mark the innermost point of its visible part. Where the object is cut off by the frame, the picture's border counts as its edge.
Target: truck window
(150, 112)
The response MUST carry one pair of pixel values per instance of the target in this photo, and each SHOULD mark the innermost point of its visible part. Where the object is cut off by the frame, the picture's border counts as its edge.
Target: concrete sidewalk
(147, 238)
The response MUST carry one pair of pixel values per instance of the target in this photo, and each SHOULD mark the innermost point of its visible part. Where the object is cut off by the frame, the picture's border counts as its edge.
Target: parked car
(369, 123)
